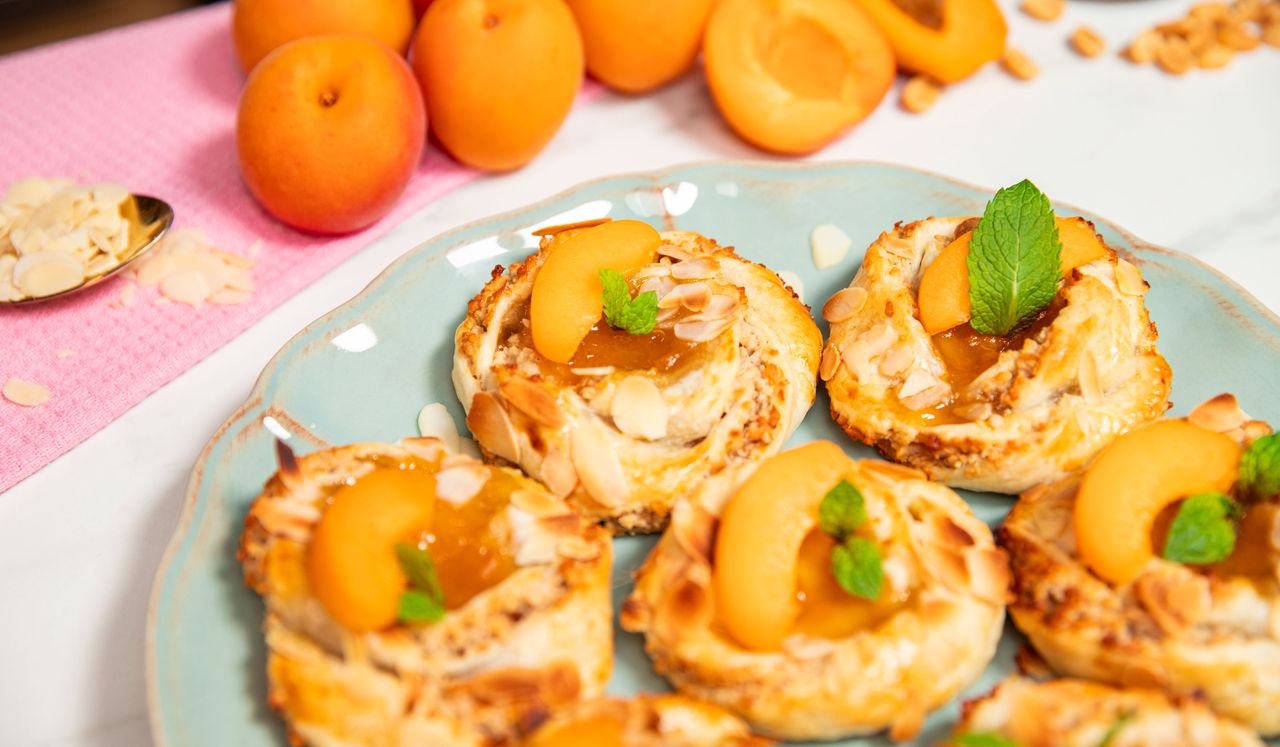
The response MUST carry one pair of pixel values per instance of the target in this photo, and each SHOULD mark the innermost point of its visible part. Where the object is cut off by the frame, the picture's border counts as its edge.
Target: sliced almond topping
(1129, 279)
(695, 269)
(1220, 414)
(533, 400)
(492, 427)
(25, 393)
(898, 359)
(830, 362)
(917, 381)
(660, 286)
(989, 574)
(948, 566)
(702, 330)
(598, 465)
(879, 338)
(557, 473)
(674, 251)
(692, 296)
(844, 304)
(638, 409)
(975, 411)
(538, 504)
(829, 244)
(459, 484)
(534, 543)
(577, 548)
(593, 371)
(720, 305)
(1090, 388)
(1175, 597)
(892, 471)
(693, 528)
(857, 356)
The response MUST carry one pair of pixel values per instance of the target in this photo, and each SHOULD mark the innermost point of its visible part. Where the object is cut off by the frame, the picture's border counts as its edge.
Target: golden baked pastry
(755, 599)
(622, 423)
(1125, 574)
(644, 721)
(1076, 713)
(987, 412)
(358, 551)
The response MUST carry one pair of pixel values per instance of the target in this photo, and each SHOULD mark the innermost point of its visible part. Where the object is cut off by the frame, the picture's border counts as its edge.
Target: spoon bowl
(154, 217)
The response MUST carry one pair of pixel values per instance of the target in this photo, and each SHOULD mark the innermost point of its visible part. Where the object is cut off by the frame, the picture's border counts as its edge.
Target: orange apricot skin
(498, 76)
(1136, 477)
(259, 26)
(744, 72)
(943, 298)
(567, 298)
(635, 47)
(595, 731)
(351, 563)
(973, 33)
(758, 542)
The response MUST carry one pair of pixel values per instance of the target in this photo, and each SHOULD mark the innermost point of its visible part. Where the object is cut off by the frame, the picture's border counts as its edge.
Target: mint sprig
(1202, 532)
(423, 601)
(1260, 469)
(982, 739)
(637, 316)
(855, 561)
(1014, 259)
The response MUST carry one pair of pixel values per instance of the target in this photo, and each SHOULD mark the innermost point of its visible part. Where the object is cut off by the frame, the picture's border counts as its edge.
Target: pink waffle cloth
(151, 106)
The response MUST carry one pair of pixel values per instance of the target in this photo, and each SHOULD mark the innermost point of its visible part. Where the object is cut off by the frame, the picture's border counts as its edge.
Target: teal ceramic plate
(362, 372)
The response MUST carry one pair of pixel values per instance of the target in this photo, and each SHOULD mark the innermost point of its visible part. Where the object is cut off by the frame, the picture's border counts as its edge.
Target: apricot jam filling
(826, 609)
(351, 564)
(602, 730)
(1251, 558)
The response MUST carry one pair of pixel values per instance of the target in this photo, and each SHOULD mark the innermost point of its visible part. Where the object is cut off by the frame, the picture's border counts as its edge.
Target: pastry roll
(701, 361)
(909, 374)
(820, 597)
(1159, 566)
(414, 596)
(657, 720)
(1076, 713)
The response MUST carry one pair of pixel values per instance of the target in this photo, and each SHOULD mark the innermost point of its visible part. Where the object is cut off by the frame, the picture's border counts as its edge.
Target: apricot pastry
(999, 410)
(821, 597)
(415, 596)
(1077, 713)
(643, 721)
(620, 399)
(1159, 565)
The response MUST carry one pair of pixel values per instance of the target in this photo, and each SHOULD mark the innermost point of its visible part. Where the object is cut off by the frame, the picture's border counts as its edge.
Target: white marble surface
(1190, 163)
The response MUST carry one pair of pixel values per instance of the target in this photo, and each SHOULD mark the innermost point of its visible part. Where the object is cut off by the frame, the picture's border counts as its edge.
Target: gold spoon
(149, 218)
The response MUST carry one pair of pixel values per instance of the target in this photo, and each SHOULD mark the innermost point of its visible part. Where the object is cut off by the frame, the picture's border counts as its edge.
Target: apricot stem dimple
(490, 21)
(328, 99)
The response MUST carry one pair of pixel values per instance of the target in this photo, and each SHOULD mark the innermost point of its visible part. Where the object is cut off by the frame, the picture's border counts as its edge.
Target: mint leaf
(416, 607)
(424, 599)
(982, 739)
(1202, 531)
(1122, 721)
(636, 316)
(842, 510)
(1014, 259)
(856, 566)
(1260, 468)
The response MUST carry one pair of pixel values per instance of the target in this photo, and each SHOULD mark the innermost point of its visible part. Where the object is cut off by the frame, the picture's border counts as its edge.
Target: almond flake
(187, 286)
(538, 504)
(1129, 279)
(154, 270)
(638, 409)
(1220, 414)
(1090, 388)
(989, 574)
(844, 304)
(459, 484)
(597, 465)
(557, 473)
(434, 421)
(695, 269)
(829, 245)
(702, 330)
(25, 393)
(592, 371)
(692, 296)
(46, 273)
(533, 400)
(830, 362)
(899, 358)
(577, 548)
(857, 356)
(879, 338)
(491, 426)
(127, 297)
(533, 543)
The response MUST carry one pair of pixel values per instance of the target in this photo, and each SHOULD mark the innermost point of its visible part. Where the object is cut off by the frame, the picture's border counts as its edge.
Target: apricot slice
(758, 543)
(594, 731)
(944, 39)
(1135, 478)
(790, 76)
(943, 297)
(567, 300)
(351, 561)
(635, 47)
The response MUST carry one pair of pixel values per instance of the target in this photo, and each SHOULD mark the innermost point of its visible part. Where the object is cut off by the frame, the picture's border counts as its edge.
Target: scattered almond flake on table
(25, 393)
(188, 269)
(65, 353)
(128, 294)
(55, 234)
(830, 245)
(434, 420)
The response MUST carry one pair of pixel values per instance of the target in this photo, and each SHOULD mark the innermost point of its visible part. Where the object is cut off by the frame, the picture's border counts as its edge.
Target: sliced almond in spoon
(46, 273)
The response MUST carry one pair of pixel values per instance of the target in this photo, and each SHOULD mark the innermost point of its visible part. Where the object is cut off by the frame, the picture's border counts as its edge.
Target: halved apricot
(635, 47)
(758, 543)
(1134, 479)
(943, 297)
(351, 562)
(593, 731)
(567, 295)
(791, 75)
(945, 39)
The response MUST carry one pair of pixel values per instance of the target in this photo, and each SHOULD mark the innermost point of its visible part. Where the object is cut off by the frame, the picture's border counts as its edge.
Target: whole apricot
(790, 76)
(637, 46)
(946, 40)
(498, 76)
(329, 131)
(259, 26)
